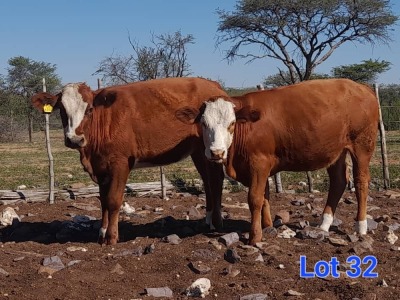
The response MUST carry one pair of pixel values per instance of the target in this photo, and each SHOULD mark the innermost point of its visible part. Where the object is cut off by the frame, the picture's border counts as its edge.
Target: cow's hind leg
(212, 175)
(337, 185)
(104, 187)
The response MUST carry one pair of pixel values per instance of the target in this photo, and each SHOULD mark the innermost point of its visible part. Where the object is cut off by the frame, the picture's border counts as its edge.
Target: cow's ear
(187, 115)
(41, 99)
(247, 114)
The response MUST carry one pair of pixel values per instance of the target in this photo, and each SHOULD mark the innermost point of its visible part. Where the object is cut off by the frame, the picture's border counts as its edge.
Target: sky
(77, 35)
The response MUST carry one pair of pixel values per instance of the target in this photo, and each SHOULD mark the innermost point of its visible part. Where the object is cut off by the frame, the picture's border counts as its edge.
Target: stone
(229, 239)
(4, 273)
(259, 258)
(199, 267)
(383, 283)
(391, 227)
(215, 244)
(51, 265)
(286, 233)
(172, 239)
(391, 237)
(76, 248)
(129, 252)
(117, 269)
(199, 288)
(159, 292)
(269, 232)
(337, 241)
(298, 202)
(254, 297)
(352, 238)
(284, 215)
(194, 213)
(293, 293)
(127, 209)
(232, 256)
(149, 249)
(9, 217)
(313, 233)
(384, 218)
(371, 224)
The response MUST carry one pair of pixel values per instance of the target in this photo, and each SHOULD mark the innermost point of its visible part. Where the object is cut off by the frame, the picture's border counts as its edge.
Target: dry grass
(27, 164)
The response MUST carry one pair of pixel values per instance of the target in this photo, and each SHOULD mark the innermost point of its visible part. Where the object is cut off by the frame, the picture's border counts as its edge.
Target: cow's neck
(237, 151)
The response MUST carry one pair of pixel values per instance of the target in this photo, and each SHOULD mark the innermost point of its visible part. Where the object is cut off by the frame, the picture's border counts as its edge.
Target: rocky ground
(164, 248)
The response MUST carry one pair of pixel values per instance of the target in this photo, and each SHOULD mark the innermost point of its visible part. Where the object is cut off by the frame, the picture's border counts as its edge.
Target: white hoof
(327, 221)
(361, 227)
(102, 232)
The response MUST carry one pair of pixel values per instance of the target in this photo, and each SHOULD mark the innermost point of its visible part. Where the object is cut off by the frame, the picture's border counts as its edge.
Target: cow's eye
(231, 127)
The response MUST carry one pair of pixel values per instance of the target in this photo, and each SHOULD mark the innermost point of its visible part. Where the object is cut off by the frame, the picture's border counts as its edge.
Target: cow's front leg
(112, 202)
(104, 188)
(256, 204)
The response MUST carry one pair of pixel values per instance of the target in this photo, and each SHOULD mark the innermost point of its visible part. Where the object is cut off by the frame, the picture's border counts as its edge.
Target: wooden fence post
(50, 155)
(386, 178)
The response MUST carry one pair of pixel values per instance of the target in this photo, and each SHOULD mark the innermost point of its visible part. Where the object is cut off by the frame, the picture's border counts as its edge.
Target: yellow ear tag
(47, 108)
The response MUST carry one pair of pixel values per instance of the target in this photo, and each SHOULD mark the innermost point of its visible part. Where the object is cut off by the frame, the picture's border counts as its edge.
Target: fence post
(50, 155)
(386, 178)
(277, 176)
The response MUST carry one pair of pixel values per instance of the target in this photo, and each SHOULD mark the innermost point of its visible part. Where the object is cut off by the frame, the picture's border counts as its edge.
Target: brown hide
(304, 127)
(134, 125)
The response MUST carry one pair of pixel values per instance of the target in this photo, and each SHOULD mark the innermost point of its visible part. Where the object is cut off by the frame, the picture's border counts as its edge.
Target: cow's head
(75, 103)
(218, 118)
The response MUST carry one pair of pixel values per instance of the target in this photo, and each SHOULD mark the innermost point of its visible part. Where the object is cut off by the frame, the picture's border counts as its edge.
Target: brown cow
(303, 127)
(119, 128)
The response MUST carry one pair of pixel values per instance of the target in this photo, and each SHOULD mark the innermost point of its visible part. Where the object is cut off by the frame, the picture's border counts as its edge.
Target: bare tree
(165, 57)
(302, 33)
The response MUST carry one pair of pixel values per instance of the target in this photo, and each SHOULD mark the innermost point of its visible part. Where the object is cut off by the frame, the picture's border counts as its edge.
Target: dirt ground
(143, 259)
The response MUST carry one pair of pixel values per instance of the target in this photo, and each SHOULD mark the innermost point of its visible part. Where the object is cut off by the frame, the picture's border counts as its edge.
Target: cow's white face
(74, 109)
(218, 124)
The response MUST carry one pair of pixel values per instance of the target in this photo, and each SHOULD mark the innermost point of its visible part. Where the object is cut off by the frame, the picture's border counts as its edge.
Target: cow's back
(306, 126)
(141, 117)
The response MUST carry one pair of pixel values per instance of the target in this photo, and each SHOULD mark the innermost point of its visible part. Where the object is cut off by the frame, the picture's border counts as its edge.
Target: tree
(24, 79)
(302, 34)
(366, 72)
(166, 57)
(284, 78)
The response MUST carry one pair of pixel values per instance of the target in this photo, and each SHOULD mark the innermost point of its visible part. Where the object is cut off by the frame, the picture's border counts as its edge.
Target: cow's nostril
(217, 154)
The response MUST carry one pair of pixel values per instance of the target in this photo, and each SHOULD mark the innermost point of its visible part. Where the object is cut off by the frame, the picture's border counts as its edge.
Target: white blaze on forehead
(217, 117)
(75, 109)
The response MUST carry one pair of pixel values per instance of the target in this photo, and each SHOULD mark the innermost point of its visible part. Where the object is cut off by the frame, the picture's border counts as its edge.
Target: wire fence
(26, 164)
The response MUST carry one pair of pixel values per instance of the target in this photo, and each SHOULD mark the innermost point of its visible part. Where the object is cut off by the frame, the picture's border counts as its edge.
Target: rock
(199, 267)
(269, 232)
(127, 209)
(391, 237)
(384, 218)
(206, 254)
(254, 297)
(383, 283)
(231, 272)
(352, 238)
(117, 269)
(286, 233)
(21, 187)
(3, 273)
(51, 265)
(284, 215)
(337, 241)
(293, 293)
(159, 292)
(247, 250)
(313, 233)
(259, 258)
(215, 244)
(158, 209)
(83, 219)
(298, 202)
(73, 262)
(129, 252)
(261, 245)
(149, 249)
(9, 217)
(194, 213)
(199, 288)
(229, 239)
(172, 239)
(362, 247)
(391, 227)
(76, 248)
(371, 224)
(232, 256)
(336, 222)
(272, 250)
(395, 248)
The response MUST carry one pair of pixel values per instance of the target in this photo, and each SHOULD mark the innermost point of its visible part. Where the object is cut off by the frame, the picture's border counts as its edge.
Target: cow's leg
(112, 202)
(213, 176)
(256, 201)
(361, 179)
(337, 185)
(104, 188)
(266, 220)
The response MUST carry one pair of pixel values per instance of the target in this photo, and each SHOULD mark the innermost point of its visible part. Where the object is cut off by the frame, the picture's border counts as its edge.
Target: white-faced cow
(123, 127)
(303, 127)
